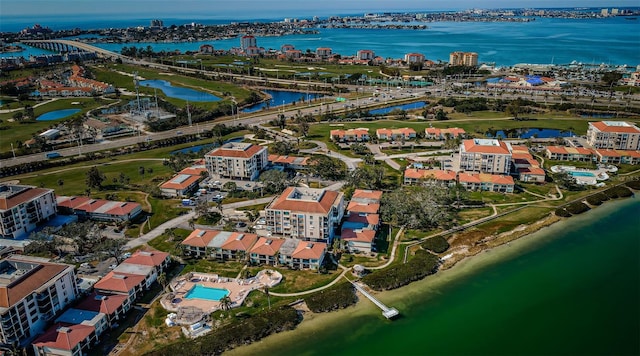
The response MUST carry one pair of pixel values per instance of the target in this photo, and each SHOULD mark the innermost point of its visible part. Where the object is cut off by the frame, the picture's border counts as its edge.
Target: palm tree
(162, 279)
(225, 302)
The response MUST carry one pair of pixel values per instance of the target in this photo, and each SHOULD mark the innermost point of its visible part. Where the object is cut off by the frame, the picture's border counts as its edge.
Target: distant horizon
(257, 9)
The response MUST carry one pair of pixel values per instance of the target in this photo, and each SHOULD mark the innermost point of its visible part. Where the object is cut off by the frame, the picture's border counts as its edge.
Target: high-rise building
(23, 207)
(247, 41)
(236, 160)
(485, 156)
(463, 59)
(32, 291)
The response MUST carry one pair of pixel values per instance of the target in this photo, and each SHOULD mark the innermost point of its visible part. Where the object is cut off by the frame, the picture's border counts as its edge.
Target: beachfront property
(350, 135)
(486, 182)
(324, 52)
(396, 134)
(265, 251)
(616, 135)
(98, 209)
(485, 156)
(527, 168)
(414, 58)
(361, 221)
(127, 284)
(74, 316)
(531, 174)
(236, 160)
(289, 162)
(298, 254)
(413, 176)
(458, 58)
(23, 208)
(305, 213)
(247, 41)
(221, 245)
(433, 133)
(32, 291)
(562, 153)
(184, 183)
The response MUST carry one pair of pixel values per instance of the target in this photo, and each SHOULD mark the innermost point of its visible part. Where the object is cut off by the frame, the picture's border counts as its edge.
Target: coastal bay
(571, 288)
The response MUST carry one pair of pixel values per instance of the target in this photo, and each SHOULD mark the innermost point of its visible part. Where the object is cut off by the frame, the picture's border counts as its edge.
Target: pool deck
(238, 291)
(599, 174)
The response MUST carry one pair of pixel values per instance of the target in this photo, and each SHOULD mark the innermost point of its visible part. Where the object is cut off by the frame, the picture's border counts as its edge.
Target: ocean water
(559, 41)
(570, 289)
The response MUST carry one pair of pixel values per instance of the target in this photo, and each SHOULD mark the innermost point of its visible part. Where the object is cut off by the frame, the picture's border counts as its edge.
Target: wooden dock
(387, 312)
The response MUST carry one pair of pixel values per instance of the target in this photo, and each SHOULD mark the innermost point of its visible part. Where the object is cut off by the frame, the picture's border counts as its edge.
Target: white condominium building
(485, 156)
(615, 135)
(306, 213)
(236, 160)
(32, 291)
(22, 208)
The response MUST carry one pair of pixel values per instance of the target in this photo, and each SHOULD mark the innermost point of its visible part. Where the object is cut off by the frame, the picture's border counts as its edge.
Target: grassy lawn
(23, 131)
(500, 198)
(168, 243)
(299, 280)
(350, 260)
(469, 215)
(223, 268)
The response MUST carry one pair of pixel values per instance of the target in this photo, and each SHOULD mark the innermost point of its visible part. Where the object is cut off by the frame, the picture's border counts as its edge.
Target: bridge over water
(58, 45)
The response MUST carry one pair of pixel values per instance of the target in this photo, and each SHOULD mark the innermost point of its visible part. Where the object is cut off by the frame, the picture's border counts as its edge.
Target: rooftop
(23, 275)
(308, 200)
(14, 195)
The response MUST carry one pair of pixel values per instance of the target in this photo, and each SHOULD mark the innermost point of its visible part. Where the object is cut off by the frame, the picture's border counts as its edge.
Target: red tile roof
(357, 207)
(64, 336)
(200, 237)
(477, 146)
(363, 235)
(225, 152)
(371, 219)
(147, 258)
(21, 287)
(535, 171)
(119, 282)
(240, 242)
(309, 250)
(603, 127)
(307, 206)
(107, 304)
(267, 246)
(180, 182)
(367, 194)
(22, 197)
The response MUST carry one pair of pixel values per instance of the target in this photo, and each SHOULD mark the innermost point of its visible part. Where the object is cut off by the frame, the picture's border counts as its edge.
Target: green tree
(274, 180)
(327, 167)
(94, 178)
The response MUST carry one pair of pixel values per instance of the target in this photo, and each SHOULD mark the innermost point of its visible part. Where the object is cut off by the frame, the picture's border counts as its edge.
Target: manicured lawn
(168, 243)
(299, 280)
(469, 215)
(225, 269)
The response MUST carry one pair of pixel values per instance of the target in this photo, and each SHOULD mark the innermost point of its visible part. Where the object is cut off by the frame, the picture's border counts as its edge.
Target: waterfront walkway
(388, 313)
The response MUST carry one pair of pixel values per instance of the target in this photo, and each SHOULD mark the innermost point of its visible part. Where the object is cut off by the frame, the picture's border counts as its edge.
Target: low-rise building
(616, 135)
(405, 133)
(222, 245)
(289, 162)
(350, 135)
(434, 133)
(305, 213)
(429, 176)
(486, 182)
(114, 306)
(32, 291)
(358, 240)
(98, 209)
(65, 340)
(562, 153)
(74, 316)
(531, 175)
(127, 284)
(184, 183)
(23, 208)
(305, 255)
(236, 160)
(617, 156)
(265, 251)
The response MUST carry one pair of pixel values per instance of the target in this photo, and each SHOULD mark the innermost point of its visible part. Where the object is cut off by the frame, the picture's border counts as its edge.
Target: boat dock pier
(387, 312)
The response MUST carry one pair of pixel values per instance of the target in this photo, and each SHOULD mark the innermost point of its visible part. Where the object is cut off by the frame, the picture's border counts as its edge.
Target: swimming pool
(581, 174)
(201, 292)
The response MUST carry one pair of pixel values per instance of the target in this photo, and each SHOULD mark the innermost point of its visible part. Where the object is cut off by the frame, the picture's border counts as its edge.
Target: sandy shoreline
(430, 286)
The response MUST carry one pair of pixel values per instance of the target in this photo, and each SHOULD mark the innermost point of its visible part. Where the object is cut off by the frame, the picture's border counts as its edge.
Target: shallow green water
(573, 289)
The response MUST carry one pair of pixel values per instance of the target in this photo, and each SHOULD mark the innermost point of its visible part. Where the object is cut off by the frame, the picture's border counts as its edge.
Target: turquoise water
(570, 289)
(559, 41)
(581, 174)
(201, 292)
(537, 133)
(57, 114)
(178, 92)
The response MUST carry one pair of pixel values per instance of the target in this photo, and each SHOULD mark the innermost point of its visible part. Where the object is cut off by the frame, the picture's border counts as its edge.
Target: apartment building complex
(463, 59)
(305, 213)
(615, 135)
(32, 291)
(485, 156)
(22, 208)
(236, 160)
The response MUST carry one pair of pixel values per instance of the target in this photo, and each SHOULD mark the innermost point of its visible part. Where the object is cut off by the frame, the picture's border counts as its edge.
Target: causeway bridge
(59, 45)
(387, 312)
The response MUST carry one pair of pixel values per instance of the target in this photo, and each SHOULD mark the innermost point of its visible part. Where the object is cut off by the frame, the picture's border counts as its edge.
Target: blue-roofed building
(74, 316)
